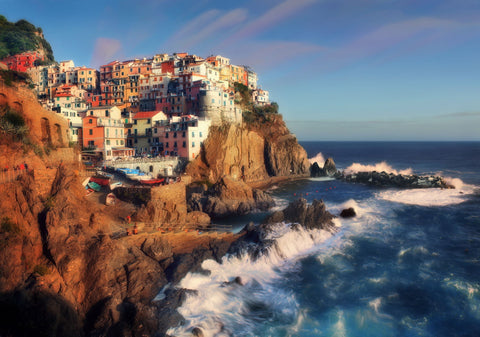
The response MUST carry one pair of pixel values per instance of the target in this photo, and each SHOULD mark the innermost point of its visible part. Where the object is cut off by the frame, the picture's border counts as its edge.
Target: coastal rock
(329, 167)
(385, 179)
(313, 216)
(229, 197)
(348, 213)
(316, 170)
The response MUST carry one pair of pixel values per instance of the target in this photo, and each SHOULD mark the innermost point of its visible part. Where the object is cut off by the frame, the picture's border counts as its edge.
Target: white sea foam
(220, 307)
(430, 196)
(318, 159)
(322, 179)
(379, 167)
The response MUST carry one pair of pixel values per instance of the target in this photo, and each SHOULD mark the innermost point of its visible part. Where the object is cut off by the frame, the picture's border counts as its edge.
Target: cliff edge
(253, 152)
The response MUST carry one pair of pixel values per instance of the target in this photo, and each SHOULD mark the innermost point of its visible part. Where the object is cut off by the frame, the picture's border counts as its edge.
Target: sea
(407, 265)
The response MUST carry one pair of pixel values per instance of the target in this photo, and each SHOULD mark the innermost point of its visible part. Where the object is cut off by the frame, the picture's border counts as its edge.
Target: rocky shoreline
(379, 179)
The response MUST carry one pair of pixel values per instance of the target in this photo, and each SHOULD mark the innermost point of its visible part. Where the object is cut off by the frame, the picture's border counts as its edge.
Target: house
(24, 61)
(103, 132)
(181, 136)
(141, 135)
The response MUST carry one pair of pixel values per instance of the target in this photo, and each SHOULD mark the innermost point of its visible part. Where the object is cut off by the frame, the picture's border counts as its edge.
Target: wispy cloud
(270, 54)
(105, 51)
(398, 39)
(207, 25)
(272, 17)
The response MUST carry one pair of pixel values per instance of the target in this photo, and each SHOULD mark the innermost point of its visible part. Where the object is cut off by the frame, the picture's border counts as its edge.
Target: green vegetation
(22, 36)
(253, 114)
(11, 76)
(13, 124)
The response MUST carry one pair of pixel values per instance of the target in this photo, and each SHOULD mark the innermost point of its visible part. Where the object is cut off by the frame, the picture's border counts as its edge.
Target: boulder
(316, 170)
(329, 167)
(348, 213)
(314, 216)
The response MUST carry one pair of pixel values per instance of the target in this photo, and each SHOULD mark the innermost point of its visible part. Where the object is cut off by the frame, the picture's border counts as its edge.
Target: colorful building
(24, 61)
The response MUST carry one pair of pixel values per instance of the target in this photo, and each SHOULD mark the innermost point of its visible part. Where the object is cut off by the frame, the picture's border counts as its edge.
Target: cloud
(206, 26)
(272, 17)
(105, 51)
(400, 38)
(269, 54)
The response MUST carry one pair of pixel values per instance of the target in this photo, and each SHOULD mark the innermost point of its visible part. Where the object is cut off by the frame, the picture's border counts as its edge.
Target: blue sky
(339, 69)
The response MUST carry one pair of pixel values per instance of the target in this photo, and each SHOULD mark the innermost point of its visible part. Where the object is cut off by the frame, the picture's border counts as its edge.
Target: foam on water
(379, 167)
(430, 196)
(223, 307)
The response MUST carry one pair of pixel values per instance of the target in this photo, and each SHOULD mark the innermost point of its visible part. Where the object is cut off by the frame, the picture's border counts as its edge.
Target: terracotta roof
(145, 114)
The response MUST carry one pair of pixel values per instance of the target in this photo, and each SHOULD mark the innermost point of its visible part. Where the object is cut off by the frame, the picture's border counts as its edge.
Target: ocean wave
(379, 167)
(430, 197)
(222, 306)
(319, 159)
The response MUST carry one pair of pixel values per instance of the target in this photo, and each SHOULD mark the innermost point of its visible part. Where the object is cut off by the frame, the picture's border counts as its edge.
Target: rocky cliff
(251, 152)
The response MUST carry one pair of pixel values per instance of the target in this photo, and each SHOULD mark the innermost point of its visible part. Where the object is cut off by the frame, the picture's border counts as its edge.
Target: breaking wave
(379, 167)
(319, 159)
(221, 307)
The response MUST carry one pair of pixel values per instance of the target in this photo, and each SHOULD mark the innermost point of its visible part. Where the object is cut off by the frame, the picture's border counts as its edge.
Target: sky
(339, 69)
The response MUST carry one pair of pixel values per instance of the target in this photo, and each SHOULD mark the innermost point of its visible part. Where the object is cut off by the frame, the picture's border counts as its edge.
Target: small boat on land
(110, 200)
(100, 179)
(94, 186)
(152, 181)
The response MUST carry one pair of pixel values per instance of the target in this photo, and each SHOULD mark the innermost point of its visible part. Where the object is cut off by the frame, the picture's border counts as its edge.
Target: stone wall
(154, 166)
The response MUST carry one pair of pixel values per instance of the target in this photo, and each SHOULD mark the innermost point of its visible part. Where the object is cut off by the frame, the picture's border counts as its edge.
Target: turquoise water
(407, 265)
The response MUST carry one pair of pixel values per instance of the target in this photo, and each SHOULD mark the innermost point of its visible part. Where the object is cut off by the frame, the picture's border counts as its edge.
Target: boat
(94, 186)
(152, 181)
(110, 200)
(101, 180)
(115, 185)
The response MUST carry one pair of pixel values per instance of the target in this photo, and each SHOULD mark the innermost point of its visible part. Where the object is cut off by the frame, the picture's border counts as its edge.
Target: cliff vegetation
(22, 36)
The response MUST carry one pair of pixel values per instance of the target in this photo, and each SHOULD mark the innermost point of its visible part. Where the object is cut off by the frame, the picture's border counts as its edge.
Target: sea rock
(348, 213)
(316, 170)
(314, 216)
(197, 332)
(329, 167)
(385, 179)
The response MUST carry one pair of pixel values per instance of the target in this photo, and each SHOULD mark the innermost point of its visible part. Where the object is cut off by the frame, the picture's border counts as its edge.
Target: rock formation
(250, 153)
(313, 216)
(229, 197)
(328, 170)
(395, 180)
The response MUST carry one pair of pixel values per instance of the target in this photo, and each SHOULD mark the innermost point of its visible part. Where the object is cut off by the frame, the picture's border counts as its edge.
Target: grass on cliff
(11, 76)
(8, 226)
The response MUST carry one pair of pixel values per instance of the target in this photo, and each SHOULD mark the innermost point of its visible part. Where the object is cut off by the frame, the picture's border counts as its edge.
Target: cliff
(253, 153)
(63, 271)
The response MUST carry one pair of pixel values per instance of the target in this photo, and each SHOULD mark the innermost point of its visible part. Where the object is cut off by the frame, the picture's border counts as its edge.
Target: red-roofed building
(24, 61)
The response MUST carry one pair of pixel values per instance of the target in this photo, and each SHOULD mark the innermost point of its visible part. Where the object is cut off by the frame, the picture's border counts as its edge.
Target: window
(90, 132)
(167, 145)
(183, 134)
(175, 145)
(184, 144)
(90, 121)
(148, 121)
(200, 134)
(174, 135)
(166, 135)
(91, 113)
(193, 144)
(106, 113)
(108, 141)
(193, 134)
